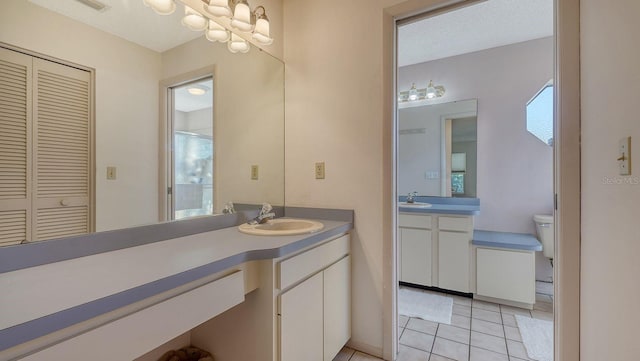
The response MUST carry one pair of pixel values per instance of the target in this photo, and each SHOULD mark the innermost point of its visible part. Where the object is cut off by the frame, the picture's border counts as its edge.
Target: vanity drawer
(298, 267)
(461, 224)
(414, 221)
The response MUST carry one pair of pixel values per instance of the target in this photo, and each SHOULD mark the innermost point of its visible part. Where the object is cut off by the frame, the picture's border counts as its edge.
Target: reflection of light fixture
(216, 32)
(197, 89)
(413, 94)
(238, 44)
(194, 20)
(162, 7)
(240, 19)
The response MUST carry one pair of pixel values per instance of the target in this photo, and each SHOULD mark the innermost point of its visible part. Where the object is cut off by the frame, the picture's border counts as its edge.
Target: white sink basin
(414, 205)
(281, 227)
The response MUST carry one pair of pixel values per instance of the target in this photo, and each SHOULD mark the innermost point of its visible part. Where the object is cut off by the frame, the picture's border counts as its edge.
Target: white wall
(610, 235)
(126, 105)
(515, 169)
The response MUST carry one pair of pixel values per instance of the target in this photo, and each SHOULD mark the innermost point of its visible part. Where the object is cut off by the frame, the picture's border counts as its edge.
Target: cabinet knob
(64, 202)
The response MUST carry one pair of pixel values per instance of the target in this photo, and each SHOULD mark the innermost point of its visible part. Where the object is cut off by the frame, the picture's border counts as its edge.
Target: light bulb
(242, 17)
(161, 7)
(219, 8)
(194, 20)
(216, 32)
(238, 44)
(431, 91)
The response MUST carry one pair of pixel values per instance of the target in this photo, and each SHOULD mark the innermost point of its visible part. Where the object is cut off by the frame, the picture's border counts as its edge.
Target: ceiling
(130, 20)
(187, 102)
(486, 25)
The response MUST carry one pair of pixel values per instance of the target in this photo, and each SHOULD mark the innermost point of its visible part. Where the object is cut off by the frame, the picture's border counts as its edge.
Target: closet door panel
(62, 162)
(15, 147)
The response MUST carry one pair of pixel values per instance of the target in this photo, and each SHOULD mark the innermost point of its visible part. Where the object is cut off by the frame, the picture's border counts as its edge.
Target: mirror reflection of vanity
(247, 117)
(437, 149)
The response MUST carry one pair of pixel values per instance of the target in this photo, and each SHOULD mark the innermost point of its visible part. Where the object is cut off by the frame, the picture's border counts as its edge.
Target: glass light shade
(219, 8)
(161, 7)
(238, 44)
(431, 91)
(216, 32)
(194, 20)
(242, 17)
(261, 31)
(413, 92)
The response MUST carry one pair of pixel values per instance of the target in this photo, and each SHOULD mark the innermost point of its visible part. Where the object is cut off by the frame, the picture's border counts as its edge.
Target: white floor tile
(486, 315)
(487, 327)
(512, 333)
(402, 320)
(542, 315)
(412, 354)
(478, 354)
(454, 333)
(509, 320)
(488, 342)
(435, 357)
(359, 356)
(417, 340)
(515, 311)
(461, 310)
(461, 321)
(486, 306)
(516, 349)
(425, 326)
(344, 354)
(464, 301)
(451, 349)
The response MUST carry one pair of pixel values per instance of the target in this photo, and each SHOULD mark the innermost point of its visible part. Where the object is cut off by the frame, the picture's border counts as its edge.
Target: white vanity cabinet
(435, 250)
(415, 249)
(454, 250)
(314, 306)
(506, 275)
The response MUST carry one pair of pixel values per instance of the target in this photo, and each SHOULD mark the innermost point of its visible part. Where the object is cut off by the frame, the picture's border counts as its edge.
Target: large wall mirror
(144, 65)
(437, 149)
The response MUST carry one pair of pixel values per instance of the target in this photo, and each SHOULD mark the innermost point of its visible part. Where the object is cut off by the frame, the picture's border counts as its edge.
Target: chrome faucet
(264, 215)
(411, 197)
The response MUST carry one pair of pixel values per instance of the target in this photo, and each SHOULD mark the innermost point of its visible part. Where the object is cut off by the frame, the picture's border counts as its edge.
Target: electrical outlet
(254, 172)
(111, 173)
(624, 160)
(320, 170)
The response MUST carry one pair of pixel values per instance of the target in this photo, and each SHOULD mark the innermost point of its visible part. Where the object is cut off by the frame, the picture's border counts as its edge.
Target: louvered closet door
(62, 150)
(15, 147)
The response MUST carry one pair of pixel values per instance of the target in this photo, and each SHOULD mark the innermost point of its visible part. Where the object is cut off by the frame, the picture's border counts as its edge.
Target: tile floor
(479, 331)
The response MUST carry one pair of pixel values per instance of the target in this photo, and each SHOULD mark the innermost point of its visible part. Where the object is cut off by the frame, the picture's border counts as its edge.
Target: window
(540, 114)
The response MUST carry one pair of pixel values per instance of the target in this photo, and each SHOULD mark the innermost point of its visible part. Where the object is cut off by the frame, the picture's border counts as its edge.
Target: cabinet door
(301, 321)
(415, 258)
(453, 261)
(509, 275)
(337, 307)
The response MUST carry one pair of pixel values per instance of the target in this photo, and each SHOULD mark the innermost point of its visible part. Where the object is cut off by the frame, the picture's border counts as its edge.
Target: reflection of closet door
(62, 159)
(15, 147)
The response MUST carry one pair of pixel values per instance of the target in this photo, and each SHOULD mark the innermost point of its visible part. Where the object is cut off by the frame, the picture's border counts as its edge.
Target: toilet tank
(545, 230)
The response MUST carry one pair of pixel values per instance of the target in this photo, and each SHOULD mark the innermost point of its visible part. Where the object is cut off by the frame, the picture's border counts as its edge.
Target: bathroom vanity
(265, 288)
(435, 244)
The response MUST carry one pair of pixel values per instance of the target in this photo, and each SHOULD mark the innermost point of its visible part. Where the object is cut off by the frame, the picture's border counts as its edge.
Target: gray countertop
(518, 241)
(90, 286)
(444, 205)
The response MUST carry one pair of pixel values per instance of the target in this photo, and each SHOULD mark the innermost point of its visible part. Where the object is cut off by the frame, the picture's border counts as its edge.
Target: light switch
(320, 170)
(624, 156)
(254, 172)
(111, 173)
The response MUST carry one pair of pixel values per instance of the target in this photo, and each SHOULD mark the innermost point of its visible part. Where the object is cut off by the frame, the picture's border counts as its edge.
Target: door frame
(165, 154)
(566, 174)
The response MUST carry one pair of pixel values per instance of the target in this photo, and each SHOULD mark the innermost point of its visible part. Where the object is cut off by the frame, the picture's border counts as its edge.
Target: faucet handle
(266, 208)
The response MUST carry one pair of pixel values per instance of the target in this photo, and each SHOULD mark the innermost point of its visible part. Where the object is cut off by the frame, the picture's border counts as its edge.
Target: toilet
(545, 230)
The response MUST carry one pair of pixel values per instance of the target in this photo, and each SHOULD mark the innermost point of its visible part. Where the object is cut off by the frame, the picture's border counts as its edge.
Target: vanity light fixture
(161, 7)
(238, 14)
(414, 94)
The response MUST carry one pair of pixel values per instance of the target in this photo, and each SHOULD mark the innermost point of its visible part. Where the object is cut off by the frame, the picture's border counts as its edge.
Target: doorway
(190, 191)
(511, 165)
